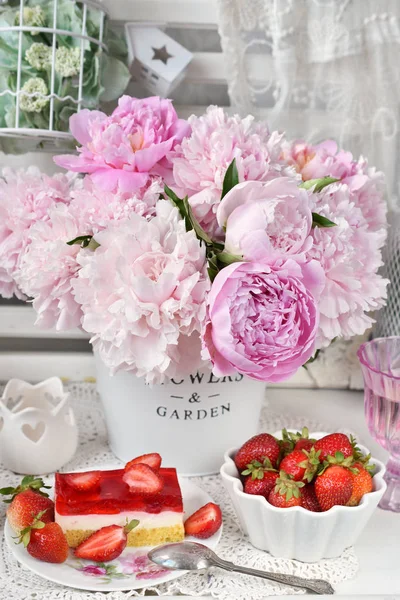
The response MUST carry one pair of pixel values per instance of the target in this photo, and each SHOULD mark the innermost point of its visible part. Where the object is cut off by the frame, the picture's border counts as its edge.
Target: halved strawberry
(105, 544)
(142, 479)
(83, 482)
(153, 460)
(204, 522)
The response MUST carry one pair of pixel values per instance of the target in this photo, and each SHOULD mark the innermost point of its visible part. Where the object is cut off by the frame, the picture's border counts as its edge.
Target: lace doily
(18, 583)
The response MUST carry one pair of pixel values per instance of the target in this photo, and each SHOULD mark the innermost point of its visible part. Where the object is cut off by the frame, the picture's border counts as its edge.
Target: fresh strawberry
(45, 541)
(261, 487)
(26, 501)
(295, 441)
(105, 544)
(25, 506)
(301, 465)
(258, 448)
(204, 522)
(153, 460)
(286, 492)
(83, 482)
(29, 482)
(142, 479)
(334, 487)
(332, 443)
(362, 484)
(309, 499)
(304, 444)
(359, 455)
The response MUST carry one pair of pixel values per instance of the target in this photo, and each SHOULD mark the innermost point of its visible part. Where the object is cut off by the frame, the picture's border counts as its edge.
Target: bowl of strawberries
(300, 495)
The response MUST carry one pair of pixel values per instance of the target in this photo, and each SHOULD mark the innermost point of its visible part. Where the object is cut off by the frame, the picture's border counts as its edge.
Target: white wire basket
(50, 67)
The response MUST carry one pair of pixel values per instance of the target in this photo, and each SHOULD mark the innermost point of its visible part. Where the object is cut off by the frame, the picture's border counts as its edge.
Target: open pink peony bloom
(48, 268)
(96, 207)
(201, 160)
(266, 220)
(367, 189)
(321, 160)
(122, 150)
(263, 320)
(141, 290)
(365, 183)
(26, 196)
(350, 255)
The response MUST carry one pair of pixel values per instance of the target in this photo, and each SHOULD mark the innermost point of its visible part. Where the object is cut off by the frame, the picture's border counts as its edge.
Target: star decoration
(161, 54)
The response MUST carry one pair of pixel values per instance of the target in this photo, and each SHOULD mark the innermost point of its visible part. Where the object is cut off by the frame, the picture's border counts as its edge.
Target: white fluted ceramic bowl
(296, 532)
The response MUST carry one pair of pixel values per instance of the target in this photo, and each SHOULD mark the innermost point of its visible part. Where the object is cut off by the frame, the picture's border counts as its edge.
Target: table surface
(378, 547)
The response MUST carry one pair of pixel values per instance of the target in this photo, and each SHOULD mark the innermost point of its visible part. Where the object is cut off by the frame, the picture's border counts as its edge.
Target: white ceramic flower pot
(190, 421)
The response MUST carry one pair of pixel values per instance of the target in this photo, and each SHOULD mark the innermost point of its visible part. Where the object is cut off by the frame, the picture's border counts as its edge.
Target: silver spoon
(191, 556)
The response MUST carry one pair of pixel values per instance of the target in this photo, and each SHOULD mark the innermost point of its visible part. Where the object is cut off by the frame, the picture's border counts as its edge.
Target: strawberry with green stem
(295, 441)
(106, 543)
(334, 486)
(362, 483)
(332, 443)
(45, 541)
(260, 478)
(25, 501)
(259, 447)
(302, 465)
(287, 492)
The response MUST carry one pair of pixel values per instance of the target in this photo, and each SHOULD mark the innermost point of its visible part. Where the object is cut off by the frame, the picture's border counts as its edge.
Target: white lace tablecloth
(18, 583)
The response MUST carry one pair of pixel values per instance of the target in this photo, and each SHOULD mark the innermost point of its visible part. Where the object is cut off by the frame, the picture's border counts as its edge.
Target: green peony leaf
(317, 185)
(320, 221)
(199, 231)
(231, 178)
(227, 259)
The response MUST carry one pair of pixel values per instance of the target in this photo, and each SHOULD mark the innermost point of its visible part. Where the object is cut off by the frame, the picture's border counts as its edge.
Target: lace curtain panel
(319, 69)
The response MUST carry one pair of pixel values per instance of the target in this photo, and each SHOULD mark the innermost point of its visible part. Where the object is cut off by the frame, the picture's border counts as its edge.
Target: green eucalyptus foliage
(105, 74)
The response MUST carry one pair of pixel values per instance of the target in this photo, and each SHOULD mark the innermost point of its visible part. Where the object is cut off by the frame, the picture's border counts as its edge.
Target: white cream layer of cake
(166, 518)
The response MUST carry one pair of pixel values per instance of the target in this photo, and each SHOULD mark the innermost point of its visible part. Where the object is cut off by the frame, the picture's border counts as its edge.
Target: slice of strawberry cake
(86, 502)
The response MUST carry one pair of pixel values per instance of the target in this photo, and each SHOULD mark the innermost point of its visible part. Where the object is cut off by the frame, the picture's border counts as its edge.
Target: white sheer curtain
(320, 69)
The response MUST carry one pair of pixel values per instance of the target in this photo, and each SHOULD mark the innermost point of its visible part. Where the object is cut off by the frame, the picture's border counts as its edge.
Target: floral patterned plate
(132, 570)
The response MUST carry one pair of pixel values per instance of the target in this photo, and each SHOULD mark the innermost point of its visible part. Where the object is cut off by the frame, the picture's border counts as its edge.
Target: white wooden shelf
(173, 12)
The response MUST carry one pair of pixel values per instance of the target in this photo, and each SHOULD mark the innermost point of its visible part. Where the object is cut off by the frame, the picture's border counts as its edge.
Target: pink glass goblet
(380, 363)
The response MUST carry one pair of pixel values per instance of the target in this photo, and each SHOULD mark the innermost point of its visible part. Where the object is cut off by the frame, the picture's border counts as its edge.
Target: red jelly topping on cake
(112, 496)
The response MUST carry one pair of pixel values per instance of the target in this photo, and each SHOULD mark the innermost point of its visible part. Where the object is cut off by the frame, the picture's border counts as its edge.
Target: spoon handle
(318, 586)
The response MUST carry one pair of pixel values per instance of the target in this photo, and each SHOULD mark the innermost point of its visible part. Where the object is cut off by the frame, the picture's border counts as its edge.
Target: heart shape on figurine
(34, 433)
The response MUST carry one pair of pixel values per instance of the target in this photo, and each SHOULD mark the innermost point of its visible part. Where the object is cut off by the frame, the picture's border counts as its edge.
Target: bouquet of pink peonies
(211, 239)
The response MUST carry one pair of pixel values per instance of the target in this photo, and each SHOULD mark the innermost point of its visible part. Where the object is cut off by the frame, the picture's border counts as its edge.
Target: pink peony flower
(321, 160)
(26, 196)
(201, 160)
(141, 290)
(350, 255)
(263, 320)
(97, 208)
(366, 184)
(122, 150)
(48, 268)
(367, 189)
(266, 220)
